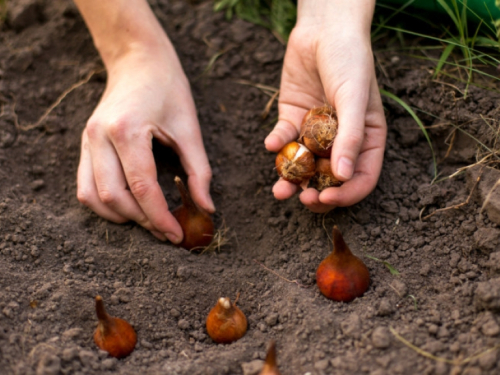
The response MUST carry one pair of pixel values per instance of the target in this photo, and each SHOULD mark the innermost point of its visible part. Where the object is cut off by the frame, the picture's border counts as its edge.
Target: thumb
(287, 127)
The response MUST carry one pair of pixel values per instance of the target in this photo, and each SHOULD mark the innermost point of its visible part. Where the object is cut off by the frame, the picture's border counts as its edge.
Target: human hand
(147, 95)
(329, 58)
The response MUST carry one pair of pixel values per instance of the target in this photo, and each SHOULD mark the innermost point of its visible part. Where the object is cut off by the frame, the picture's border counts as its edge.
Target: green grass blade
(450, 12)
(442, 60)
(417, 120)
(396, 11)
(389, 266)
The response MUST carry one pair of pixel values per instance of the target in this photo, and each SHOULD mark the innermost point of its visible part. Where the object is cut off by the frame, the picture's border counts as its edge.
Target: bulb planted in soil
(113, 335)
(196, 224)
(342, 276)
(270, 366)
(226, 322)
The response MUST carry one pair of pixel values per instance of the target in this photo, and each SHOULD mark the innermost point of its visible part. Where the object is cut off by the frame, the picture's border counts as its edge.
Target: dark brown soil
(56, 256)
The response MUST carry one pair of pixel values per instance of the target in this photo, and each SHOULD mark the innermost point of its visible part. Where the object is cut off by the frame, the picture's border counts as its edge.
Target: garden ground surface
(56, 255)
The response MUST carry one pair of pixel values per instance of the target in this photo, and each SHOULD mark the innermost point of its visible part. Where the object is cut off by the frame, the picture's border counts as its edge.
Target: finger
(310, 199)
(287, 127)
(369, 163)
(86, 188)
(159, 235)
(284, 189)
(110, 180)
(191, 151)
(135, 152)
(361, 184)
(351, 103)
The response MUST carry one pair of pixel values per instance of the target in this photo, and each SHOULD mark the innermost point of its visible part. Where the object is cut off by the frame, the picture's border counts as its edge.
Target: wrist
(119, 27)
(353, 17)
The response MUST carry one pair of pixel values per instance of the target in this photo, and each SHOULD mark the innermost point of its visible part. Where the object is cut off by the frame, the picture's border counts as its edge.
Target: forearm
(352, 15)
(119, 26)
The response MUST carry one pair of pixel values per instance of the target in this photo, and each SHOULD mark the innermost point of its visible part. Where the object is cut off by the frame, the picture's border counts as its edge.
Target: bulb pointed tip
(271, 354)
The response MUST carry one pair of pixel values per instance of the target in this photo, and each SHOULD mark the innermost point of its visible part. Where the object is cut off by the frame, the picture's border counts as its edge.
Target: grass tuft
(276, 15)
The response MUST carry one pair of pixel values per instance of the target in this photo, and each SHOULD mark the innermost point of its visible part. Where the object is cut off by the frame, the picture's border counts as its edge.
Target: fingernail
(211, 206)
(345, 168)
(173, 238)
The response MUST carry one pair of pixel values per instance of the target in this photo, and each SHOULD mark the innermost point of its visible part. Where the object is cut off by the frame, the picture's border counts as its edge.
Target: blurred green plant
(497, 22)
(276, 15)
(478, 47)
(3, 11)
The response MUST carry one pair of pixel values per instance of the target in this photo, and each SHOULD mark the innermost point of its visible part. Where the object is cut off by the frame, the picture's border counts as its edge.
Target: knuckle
(143, 221)
(83, 197)
(106, 196)
(353, 140)
(206, 173)
(117, 129)
(92, 128)
(140, 188)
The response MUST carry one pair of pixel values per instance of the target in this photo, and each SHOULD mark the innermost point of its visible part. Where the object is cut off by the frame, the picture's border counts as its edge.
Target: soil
(56, 255)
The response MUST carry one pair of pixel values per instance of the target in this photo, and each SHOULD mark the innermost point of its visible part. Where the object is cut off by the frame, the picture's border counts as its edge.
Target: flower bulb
(342, 276)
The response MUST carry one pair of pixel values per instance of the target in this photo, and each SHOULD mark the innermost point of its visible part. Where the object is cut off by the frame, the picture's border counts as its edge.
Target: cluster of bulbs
(308, 159)
(341, 276)
(225, 323)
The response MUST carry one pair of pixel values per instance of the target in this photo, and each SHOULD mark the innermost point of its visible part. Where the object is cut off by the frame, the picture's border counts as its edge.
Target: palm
(342, 74)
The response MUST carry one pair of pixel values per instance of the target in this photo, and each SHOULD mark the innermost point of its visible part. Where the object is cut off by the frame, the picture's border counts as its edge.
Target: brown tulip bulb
(270, 366)
(226, 322)
(113, 335)
(196, 224)
(342, 276)
(324, 177)
(318, 130)
(295, 163)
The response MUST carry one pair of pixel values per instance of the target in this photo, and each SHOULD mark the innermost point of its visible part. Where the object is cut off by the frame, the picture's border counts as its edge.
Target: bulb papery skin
(226, 325)
(324, 177)
(113, 335)
(196, 224)
(318, 130)
(342, 276)
(295, 163)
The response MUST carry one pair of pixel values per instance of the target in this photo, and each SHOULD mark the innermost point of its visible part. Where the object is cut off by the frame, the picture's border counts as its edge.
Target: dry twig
(457, 206)
(220, 239)
(269, 105)
(58, 101)
(281, 277)
(456, 362)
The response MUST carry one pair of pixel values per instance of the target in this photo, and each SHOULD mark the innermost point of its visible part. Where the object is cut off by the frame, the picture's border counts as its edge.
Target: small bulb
(196, 224)
(226, 322)
(113, 335)
(324, 178)
(295, 163)
(270, 366)
(318, 130)
(342, 276)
